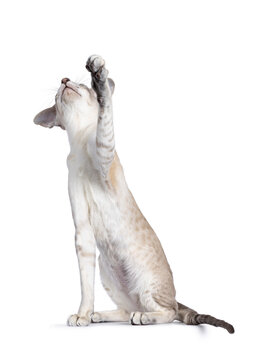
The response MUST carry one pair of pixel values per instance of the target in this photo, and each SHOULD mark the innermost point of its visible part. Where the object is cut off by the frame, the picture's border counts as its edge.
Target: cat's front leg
(86, 252)
(104, 88)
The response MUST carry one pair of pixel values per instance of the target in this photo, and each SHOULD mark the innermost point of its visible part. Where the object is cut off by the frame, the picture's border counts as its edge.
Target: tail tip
(230, 329)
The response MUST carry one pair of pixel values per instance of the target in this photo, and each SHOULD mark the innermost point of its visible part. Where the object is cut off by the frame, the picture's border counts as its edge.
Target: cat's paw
(76, 320)
(96, 317)
(138, 318)
(96, 65)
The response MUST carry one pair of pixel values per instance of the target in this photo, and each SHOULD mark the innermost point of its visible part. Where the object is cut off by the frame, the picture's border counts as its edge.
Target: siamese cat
(133, 267)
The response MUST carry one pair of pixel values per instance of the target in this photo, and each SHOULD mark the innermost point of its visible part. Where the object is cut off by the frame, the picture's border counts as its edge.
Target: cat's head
(75, 107)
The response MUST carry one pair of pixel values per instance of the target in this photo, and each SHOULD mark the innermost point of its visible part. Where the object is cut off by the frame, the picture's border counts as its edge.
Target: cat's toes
(75, 320)
(83, 321)
(96, 317)
(94, 63)
(72, 320)
(138, 318)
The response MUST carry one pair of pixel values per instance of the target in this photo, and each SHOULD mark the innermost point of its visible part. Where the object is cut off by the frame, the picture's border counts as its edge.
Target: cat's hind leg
(156, 311)
(118, 315)
(152, 317)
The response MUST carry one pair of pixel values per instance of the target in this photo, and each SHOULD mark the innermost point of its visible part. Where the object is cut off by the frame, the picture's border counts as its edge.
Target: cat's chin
(69, 93)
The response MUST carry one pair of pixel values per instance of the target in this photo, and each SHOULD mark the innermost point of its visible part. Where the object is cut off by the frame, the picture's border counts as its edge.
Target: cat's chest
(104, 212)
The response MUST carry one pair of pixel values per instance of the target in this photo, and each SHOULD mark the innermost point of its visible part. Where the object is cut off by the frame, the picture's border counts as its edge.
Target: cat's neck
(78, 131)
(78, 137)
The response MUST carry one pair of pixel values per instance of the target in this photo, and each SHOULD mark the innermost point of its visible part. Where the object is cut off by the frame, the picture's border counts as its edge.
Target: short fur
(133, 267)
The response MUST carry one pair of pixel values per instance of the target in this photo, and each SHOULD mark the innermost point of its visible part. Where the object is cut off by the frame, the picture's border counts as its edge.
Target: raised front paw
(96, 65)
(76, 320)
(138, 318)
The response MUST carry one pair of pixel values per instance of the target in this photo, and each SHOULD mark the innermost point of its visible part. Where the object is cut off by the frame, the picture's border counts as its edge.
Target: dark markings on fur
(191, 317)
(104, 89)
(131, 320)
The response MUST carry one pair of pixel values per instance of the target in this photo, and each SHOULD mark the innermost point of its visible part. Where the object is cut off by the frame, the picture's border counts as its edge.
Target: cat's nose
(65, 80)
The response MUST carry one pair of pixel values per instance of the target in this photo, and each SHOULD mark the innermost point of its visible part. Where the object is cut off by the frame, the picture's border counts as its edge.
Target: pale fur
(133, 267)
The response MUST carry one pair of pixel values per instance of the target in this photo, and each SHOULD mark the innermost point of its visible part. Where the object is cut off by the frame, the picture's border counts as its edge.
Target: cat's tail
(191, 317)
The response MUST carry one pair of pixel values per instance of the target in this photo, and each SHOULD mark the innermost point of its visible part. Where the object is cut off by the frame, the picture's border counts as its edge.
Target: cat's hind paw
(75, 320)
(96, 317)
(138, 318)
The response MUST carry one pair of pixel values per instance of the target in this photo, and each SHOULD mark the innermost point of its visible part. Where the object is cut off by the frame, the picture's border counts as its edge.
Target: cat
(133, 267)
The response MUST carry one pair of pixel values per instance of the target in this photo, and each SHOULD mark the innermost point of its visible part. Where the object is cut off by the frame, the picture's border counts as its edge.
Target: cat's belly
(117, 283)
(113, 241)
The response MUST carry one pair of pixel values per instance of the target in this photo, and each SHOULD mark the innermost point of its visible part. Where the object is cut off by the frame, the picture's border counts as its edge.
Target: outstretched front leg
(105, 134)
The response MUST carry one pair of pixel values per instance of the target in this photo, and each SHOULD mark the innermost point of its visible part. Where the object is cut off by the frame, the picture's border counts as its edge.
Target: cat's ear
(112, 85)
(46, 118)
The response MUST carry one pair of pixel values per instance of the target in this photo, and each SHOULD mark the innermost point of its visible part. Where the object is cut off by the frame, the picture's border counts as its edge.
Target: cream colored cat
(133, 267)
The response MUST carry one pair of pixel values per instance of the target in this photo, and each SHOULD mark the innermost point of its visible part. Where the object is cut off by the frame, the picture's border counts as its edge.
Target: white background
(191, 110)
